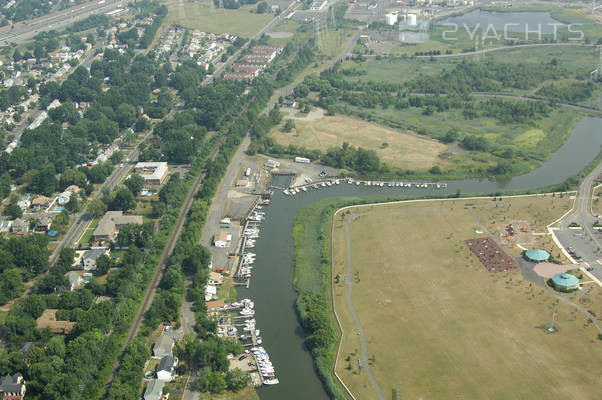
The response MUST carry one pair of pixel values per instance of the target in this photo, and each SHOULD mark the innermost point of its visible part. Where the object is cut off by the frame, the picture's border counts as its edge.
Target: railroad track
(167, 251)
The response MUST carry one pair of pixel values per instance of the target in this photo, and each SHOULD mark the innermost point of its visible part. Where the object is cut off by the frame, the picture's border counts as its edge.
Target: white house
(90, 256)
(165, 370)
(64, 198)
(210, 292)
(75, 280)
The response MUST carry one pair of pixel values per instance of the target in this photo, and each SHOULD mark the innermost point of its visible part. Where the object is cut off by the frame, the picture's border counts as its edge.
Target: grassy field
(202, 15)
(439, 326)
(520, 136)
(403, 150)
(578, 60)
(85, 239)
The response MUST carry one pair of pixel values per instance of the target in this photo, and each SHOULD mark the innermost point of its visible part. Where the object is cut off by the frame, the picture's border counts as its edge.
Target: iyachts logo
(512, 31)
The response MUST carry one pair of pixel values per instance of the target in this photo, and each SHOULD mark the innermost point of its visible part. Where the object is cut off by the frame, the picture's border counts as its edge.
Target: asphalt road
(82, 218)
(587, 241)
(24, 31)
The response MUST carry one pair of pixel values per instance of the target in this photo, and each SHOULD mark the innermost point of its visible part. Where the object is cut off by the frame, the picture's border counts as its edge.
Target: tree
(96, 208)
(451, 136)
(135, 183)
(123, 200)
(13, 210)
(103, 264)
(216, 382)
(73, 204)
(262, 7)
(289, 125)
(236, 379)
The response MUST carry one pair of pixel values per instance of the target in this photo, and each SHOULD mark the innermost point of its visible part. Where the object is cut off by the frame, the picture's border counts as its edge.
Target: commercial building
(111, 222)
(154, 173)
(302, 160)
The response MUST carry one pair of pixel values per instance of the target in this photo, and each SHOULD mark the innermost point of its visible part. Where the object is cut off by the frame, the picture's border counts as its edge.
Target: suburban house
(43, 224)
(64, 198)
(289, 103)
(5, 225)
(75, 280)
(215, 278)
(24, 203)
(40, 203)
(210, 292)
(12, 387)
(20, 226)
(272, 164)
(165, 370)
(72, 189)
(48, 321)
(154, 173)
(163, 347)
(154, 390)
(90, 256)
(111, 222)
(220, 239)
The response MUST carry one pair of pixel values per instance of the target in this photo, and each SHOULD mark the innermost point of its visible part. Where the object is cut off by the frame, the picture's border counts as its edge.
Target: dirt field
(439, 326)
(402, 150)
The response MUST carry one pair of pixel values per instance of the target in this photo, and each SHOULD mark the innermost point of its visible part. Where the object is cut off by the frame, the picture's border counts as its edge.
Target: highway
(24, 31)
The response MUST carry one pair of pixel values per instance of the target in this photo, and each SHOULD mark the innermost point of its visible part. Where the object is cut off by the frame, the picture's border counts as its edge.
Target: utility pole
(318, 36)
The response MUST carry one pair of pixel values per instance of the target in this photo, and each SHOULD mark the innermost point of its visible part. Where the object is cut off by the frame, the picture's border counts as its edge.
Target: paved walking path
(358, 324)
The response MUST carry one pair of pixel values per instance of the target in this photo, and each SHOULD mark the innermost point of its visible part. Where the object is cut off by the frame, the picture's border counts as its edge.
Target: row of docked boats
(264, 365)
(391, 184)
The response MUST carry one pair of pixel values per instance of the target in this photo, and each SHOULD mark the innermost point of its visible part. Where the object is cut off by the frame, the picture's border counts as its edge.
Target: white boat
(257, 332)
(259, 340)
(323, 184)
(304, 188)
(357, 183)
(270, 382)
(329, 183)
(336, 182)
(247, 311)
(286, 192)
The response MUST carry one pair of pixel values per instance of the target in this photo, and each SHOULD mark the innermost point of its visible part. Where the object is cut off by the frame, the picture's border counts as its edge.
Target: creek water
(271, 286)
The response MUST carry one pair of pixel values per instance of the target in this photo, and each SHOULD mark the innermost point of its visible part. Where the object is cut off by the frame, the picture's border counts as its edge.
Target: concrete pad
(548, 270)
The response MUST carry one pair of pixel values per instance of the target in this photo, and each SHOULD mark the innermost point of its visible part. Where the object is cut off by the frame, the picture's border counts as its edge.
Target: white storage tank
(411, 19)
(390, 19)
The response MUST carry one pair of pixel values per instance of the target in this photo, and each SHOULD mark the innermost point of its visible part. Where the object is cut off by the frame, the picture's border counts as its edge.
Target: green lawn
(89, 231)
(439, 326)
(204, 16)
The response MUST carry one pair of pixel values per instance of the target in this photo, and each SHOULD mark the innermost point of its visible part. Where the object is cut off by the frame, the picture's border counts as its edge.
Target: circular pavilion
(565, 282)
(537, 255)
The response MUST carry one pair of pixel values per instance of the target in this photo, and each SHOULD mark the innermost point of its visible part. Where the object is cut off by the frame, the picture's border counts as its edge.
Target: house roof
(214, 276)
(74, 278)
(154, 388)
(565, 280)
(94, 254)
(40, 201)
(166, 364)
(20, 223)
(220, 236)
(164, 343)
(12, 383)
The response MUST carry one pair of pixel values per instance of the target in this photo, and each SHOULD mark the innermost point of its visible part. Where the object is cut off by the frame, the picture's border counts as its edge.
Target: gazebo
(537, 255)
(565, 282)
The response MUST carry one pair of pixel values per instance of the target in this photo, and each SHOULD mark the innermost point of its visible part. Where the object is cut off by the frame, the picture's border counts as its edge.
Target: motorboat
(256, 332)
(270, 382)
(323, 184)
(259, 340)
(304, 188)
(286, 192)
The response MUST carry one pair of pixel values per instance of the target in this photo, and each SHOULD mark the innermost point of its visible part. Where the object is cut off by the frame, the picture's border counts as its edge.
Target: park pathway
(358, 324)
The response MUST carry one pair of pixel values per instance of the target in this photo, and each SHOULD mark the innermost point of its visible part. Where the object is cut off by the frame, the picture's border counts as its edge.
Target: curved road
(517, 46)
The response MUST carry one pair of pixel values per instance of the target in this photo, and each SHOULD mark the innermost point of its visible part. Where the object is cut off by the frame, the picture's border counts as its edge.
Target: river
(272, 282)
(521, 22)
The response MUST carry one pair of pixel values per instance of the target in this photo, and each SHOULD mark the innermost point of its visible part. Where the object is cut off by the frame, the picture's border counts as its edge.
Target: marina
(326, 183)
(237, 320)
